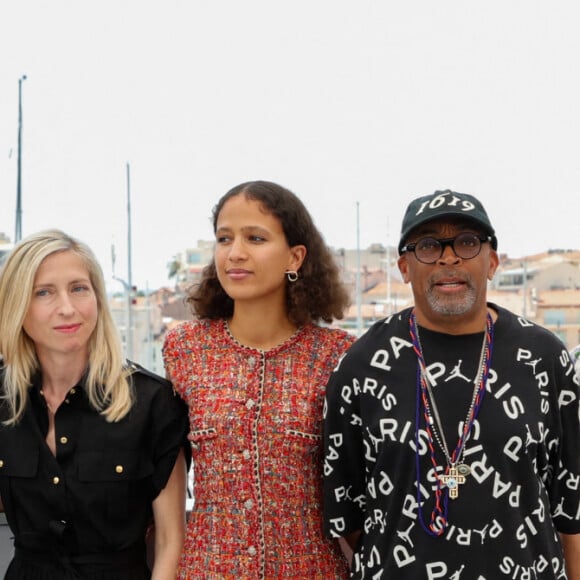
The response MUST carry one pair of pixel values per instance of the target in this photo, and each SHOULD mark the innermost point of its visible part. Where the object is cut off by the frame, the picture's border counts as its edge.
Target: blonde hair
(107, 383)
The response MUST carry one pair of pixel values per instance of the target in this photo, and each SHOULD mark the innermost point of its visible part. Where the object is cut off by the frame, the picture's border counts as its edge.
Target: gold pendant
(453, 479)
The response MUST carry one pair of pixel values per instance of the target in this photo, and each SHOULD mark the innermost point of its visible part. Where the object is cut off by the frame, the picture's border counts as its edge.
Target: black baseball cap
(445, 203)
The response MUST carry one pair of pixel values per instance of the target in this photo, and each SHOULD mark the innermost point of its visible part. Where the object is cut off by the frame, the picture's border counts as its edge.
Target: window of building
(194, 258)
(554, 317)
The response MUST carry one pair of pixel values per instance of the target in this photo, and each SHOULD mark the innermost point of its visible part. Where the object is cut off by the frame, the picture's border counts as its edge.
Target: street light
(18, 227)
(127, 284)
(129, 269)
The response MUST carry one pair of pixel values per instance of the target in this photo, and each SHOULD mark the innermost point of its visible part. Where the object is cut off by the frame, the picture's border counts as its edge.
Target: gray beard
(449, 306)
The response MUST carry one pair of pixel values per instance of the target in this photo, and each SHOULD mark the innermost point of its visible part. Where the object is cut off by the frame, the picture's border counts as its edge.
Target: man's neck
(454, 323)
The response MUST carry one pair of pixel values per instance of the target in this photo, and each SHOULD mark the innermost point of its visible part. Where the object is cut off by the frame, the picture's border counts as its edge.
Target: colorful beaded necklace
(455, 471)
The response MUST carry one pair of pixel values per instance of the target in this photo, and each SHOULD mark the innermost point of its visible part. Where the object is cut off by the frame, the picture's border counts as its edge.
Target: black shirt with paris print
(522, 453)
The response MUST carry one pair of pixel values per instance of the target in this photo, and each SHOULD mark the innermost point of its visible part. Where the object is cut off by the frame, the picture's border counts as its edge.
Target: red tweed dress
(256, 429)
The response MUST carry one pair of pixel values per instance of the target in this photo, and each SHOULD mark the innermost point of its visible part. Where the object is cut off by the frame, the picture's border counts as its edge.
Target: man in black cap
(452, 433)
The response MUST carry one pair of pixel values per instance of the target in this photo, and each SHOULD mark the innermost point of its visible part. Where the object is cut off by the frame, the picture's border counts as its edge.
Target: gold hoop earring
(292, 275)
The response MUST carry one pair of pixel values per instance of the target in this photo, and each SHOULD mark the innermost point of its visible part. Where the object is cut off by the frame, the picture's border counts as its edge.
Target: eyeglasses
(465, 246)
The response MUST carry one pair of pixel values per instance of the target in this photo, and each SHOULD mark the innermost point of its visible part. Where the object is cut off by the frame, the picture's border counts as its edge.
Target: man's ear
(493, 264)
(404, 268)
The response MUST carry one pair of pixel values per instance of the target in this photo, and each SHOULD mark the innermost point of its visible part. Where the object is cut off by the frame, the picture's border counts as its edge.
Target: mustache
(439, 277)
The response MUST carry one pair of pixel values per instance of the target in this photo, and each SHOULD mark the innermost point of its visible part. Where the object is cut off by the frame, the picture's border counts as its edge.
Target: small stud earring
(292, 275)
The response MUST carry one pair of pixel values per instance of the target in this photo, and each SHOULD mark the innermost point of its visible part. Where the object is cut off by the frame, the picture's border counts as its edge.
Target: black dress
(84, 512)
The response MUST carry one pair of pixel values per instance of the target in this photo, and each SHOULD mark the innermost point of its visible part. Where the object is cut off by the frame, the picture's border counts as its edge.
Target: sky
(357, 106)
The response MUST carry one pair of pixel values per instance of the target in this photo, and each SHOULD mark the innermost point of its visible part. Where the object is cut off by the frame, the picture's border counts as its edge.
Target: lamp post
(18, 226)
(388, 272)
(525, 287)
(128, 283)
(130, 353)
(359, 318)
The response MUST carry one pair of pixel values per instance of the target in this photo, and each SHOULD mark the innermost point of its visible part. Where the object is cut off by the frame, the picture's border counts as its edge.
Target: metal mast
(129, 272)
(18, 226)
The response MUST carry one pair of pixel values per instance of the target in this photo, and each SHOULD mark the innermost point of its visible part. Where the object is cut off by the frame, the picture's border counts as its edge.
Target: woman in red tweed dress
(253, 368)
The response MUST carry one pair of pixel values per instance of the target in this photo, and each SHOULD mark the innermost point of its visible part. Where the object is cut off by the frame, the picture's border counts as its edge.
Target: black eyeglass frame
(444, 242)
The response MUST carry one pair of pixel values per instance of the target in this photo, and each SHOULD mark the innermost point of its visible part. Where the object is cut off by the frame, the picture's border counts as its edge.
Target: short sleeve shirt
(523, 453)
(95, 495)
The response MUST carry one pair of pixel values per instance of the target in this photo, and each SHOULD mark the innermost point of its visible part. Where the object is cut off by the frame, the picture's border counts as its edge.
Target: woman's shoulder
(145, 380)
(192, 335)
(139, 372)
(193, 329)
(330, 337)
(150, 388)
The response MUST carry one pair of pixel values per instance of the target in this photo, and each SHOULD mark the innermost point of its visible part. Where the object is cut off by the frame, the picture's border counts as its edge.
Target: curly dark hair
(318, 294)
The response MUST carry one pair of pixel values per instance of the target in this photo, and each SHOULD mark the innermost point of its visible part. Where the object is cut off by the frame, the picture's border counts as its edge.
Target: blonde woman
(90, 447)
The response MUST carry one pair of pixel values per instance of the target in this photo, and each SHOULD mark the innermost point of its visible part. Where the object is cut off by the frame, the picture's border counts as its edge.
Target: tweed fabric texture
(256, 433)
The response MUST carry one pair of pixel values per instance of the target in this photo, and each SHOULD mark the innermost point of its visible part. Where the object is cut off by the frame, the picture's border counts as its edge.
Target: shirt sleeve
(168, 434)
(344, 467)
(564, 485)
